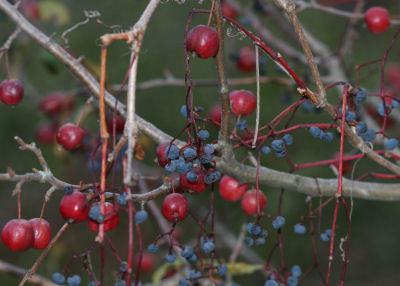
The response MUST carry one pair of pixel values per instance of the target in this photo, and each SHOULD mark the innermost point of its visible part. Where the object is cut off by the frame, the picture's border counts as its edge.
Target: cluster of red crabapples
(20, 234)
(56, 104)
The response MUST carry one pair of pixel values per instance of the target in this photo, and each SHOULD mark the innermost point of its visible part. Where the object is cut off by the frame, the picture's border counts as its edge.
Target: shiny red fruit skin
(230, 189)
(198, 187)
(70, 136)
(55, 102)
(11, 91)
(216, 114)
(249, 202)
(243, 102)
(160, 151)
(228, 10)
(246, 59)
(74, 206)
(111, 219)
(175, 207)
(377, 20)
(203, 40)
(119, 123)
(41, 232)
(148, 262)
(17, 235)
(46, 133)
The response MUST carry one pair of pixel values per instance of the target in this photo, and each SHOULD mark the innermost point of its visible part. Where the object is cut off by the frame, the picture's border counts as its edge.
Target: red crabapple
(148, 262)
(74, 206)
(198, 186)
(393, 76)
(377, 20)
(52, 103)
(216, 114)
(230, 189)
(30, 9)
(70, 136)
(46, 132)
(119, 123)
(228, 10)
(175, 207)
(56, 102)
(11, 91)
(203, 40)
(111, 218)
(372, 112)
(246, 60)
(161, 156)
(41, 231)
(252, 201)
(242, 101)
(17, 235)
(347, 165)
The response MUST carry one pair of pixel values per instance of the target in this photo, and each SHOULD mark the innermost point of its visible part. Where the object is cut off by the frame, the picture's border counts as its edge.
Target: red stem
(19, 205)
(339, 192)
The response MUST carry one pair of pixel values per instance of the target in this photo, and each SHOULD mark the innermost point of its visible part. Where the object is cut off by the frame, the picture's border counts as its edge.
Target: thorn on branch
(49, 193)
(10, 172)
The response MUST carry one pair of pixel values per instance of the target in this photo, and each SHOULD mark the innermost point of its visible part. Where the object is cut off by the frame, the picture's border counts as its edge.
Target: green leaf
(241, 268)
(58, 12)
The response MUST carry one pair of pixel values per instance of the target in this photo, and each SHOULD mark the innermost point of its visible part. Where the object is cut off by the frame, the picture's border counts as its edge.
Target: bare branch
(20, 272)
(32, 147)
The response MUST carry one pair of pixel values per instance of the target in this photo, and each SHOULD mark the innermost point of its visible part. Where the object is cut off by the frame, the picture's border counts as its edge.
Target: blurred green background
(374, 237)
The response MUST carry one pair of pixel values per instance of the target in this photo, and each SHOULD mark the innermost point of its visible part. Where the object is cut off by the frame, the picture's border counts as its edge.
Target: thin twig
(131, 126)
(224, 133)
(351, 15)
(171, 81)
(6, 46)
(20, 272)
(290, 9)
(32, 147)
(239, 244)
(253, 144)
(44, 253)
